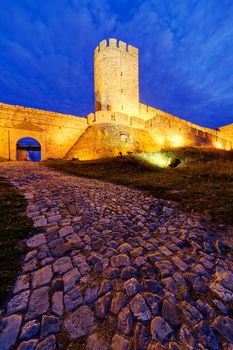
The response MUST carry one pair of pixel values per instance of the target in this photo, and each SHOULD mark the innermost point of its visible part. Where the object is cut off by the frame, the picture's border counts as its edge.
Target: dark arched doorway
(28, 149)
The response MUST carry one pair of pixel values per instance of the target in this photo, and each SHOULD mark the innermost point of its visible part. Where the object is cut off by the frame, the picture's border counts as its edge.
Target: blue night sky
(186, 53)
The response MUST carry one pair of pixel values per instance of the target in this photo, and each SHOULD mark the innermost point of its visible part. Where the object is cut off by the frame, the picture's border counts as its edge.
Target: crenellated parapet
(116, 77)
(116, 45)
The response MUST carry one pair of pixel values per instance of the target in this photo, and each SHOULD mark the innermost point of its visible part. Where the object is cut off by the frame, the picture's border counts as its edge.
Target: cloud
(186, 62)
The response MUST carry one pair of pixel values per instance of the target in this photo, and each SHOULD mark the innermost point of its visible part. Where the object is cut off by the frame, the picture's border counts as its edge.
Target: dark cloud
(186, 55)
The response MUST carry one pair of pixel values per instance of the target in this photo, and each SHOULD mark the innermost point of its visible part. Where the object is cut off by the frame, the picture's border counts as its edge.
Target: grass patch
(14, 226)
(203, 183)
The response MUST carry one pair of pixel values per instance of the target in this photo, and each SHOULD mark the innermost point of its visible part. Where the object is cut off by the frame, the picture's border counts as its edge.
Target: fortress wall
(148, 113)
(111, 117)
(56, 132)
(227, 132)
(116, 77)
(171, 131)
(108, 139)
(10, 136)
(137, 123)
(116, 118)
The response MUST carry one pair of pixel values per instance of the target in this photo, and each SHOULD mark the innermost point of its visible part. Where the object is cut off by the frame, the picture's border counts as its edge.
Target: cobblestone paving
(113, 268)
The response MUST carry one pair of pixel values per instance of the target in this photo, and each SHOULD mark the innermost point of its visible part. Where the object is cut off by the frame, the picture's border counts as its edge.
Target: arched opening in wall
(28, 149)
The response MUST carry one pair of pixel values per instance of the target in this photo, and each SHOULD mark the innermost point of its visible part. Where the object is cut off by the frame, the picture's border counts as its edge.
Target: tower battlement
(116, 77)
(116, 44)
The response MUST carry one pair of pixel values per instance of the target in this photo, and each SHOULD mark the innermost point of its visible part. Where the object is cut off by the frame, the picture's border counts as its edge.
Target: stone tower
(116, 77)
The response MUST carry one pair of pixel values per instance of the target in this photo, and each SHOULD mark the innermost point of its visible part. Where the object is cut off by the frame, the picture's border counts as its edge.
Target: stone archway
(28, 149)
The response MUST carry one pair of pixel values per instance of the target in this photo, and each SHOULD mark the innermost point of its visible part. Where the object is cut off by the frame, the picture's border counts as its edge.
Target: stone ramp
(109, 267)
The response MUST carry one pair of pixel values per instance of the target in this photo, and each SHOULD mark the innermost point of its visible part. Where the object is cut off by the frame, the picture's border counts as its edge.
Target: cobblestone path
(113, 268)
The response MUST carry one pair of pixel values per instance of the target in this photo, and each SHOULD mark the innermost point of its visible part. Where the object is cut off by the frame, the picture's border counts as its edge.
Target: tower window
(122, 107)
(113, 118)
(122, 91)
(121, 74)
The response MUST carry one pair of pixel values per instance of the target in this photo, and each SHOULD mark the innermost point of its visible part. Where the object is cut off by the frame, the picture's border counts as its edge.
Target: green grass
(202, 183)
(14, 226)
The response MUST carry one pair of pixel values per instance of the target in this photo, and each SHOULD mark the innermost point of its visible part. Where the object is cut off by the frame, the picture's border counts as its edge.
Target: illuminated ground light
(218, 144)
(75, 158)
(228, 148)
(157, 159)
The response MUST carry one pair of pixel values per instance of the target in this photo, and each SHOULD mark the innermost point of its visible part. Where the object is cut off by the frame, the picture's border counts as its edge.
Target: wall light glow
(160, 139)
(218, 144)
(176, 140)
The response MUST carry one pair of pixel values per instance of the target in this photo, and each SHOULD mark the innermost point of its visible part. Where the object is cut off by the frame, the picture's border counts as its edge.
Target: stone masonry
(116, 78)
(108, 267)
(55, 132)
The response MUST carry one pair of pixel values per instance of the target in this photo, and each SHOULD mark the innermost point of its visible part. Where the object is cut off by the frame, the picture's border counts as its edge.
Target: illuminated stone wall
(55, 132)
(171, 131)
(116, 77)
(108, 140)
(116, 118)
(227, 132)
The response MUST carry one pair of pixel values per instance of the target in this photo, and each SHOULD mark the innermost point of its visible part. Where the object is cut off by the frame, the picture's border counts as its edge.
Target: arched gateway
(28, 149)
